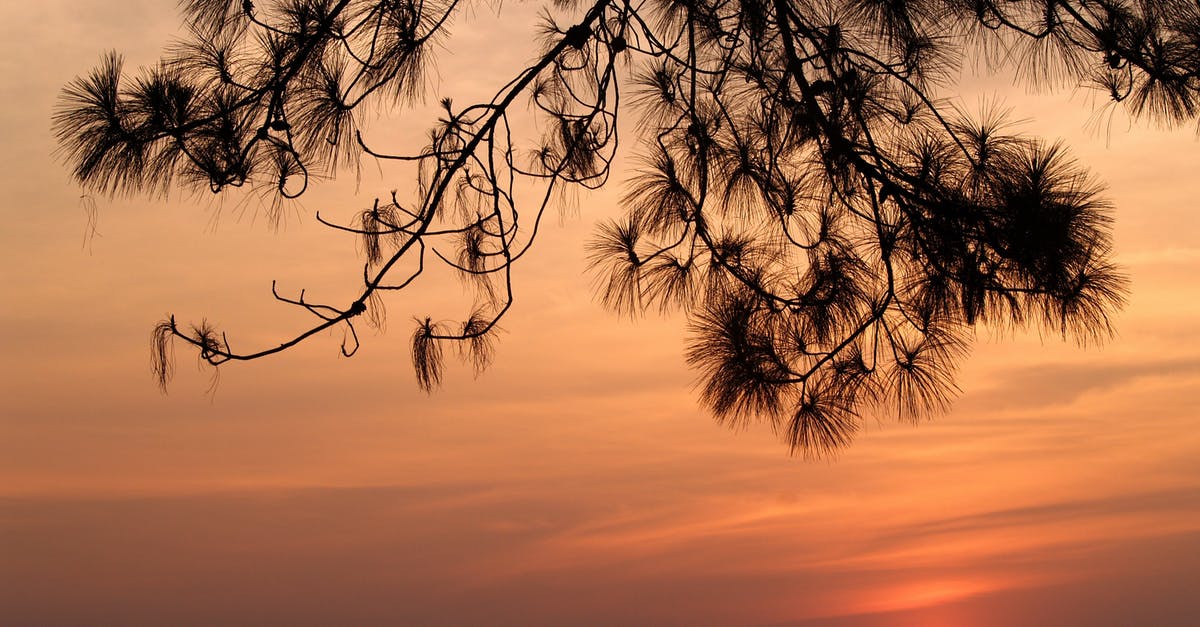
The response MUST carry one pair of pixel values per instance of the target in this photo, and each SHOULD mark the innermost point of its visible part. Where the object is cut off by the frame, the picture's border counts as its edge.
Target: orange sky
(576, 481)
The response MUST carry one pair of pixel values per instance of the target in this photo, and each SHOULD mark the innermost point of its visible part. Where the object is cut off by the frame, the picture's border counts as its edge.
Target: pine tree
(831, 227)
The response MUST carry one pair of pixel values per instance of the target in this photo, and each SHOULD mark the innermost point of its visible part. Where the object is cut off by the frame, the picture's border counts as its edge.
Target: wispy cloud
(1174, 255)
(1048, 385)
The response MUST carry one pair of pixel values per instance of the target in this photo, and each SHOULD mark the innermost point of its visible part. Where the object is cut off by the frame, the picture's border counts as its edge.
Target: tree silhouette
(831, 227)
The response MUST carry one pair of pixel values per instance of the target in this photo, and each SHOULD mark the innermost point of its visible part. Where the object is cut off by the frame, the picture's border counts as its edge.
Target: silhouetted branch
(830, 224)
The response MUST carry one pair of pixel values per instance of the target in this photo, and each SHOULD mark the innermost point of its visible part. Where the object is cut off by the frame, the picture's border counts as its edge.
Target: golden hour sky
(576, 481)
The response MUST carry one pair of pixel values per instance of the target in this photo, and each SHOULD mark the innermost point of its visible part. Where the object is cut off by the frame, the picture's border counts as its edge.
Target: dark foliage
(830, 226)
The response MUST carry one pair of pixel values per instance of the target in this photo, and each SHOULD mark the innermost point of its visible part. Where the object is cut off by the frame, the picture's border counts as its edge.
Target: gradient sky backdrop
(576, 481)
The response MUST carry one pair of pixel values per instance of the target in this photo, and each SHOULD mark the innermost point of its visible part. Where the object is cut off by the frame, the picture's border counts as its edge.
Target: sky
(576, 481)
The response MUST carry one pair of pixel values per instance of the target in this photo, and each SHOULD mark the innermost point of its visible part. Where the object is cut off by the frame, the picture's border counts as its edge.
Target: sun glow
(927, 594)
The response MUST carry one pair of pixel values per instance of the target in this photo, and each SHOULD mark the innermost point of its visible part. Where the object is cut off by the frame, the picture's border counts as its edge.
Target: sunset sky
(576, 481)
